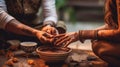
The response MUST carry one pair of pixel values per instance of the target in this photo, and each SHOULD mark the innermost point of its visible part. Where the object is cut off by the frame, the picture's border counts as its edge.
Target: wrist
(35, 32)
(96, 34)
(77, 35)
(88, 34)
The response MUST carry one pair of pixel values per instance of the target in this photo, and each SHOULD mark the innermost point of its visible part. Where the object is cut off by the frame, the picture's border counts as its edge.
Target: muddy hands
(63, 40)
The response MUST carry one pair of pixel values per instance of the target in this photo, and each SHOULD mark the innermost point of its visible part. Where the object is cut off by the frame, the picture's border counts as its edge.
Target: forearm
(108, 34)
(88, 34)
(93, 34)
(98, 34)
(16, 27)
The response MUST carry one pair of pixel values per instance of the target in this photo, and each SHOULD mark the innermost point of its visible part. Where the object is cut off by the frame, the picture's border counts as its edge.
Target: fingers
(50, 30)
(47, 35)
(65, 40)
(62, 41)
(54, 32)
(46, 40)
(60, 35)
(68, 42)
(59, 40)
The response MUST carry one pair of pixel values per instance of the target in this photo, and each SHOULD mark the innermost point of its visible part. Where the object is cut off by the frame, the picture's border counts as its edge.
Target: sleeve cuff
(51, 23)
(53, 19)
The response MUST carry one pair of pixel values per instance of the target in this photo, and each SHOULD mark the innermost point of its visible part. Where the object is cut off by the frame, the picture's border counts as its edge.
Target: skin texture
(22, 29)
(64, 40)
(110, 34)
(49, 29)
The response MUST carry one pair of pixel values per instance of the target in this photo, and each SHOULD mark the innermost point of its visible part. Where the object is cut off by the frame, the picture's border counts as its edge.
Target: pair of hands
(63, 40)
(46, 35)
(49, 35)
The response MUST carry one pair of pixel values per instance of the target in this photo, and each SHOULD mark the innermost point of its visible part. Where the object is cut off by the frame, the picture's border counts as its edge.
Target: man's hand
(44, 37)
(49, 29)
(64, 40)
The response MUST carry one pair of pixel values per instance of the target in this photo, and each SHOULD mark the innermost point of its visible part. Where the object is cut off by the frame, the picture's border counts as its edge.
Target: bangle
(96, 34)
(88, 34)
(79, 34)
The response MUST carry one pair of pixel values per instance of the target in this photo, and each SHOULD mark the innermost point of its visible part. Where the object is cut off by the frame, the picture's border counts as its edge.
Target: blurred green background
(81, 14)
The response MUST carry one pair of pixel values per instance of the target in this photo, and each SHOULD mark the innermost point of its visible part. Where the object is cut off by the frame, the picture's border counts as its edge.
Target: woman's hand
(49, 29)
(44, 37)
(64, 40)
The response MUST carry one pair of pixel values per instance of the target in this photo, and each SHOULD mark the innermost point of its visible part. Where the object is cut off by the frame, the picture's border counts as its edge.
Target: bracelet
(77, 35)
(88, 34)
(80, 34)
(96, 34)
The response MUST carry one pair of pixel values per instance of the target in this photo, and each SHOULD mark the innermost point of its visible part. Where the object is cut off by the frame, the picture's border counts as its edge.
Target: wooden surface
(40, 63)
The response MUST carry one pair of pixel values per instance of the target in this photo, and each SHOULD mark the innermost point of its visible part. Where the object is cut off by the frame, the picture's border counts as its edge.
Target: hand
(65, 39)
(44, 37)
(49, 29)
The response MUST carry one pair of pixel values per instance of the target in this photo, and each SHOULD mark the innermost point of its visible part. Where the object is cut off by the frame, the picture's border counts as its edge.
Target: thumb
(47, 35)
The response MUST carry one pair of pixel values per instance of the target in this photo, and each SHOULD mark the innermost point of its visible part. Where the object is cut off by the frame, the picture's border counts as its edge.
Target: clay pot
(53, 54)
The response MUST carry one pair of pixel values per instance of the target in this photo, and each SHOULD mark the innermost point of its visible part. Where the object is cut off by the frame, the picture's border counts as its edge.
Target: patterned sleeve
(4, 16)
